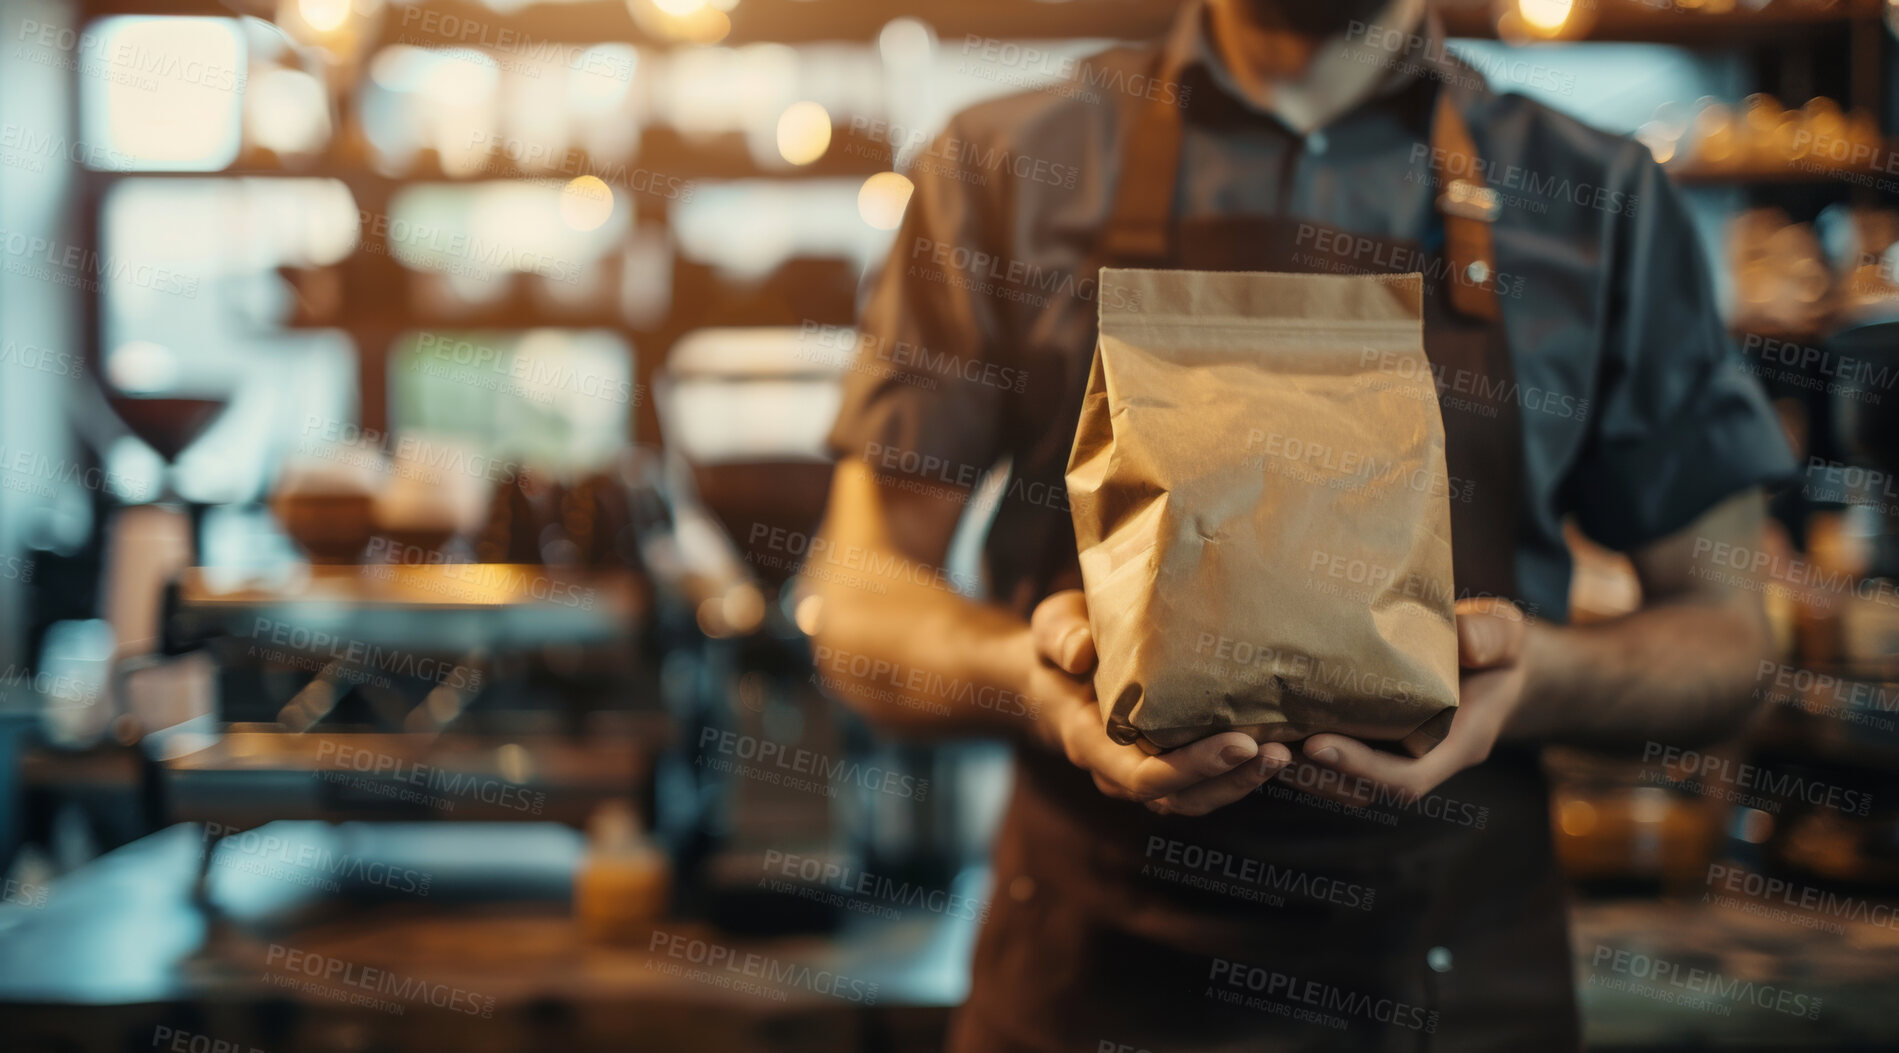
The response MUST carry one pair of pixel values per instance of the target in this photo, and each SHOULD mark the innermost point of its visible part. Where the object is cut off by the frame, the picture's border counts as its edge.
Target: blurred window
(188, 266)
(160, 93)
(554, 398)
(755, 394)
(474, 234)
(750, 227)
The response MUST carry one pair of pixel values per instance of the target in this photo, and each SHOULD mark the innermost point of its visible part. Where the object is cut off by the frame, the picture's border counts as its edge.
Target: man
(1222, 895)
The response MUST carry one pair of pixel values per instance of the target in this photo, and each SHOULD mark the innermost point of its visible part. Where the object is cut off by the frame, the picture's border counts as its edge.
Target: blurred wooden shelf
(666, 162)
(1656, 22)
(1792, 172)
(444, 22)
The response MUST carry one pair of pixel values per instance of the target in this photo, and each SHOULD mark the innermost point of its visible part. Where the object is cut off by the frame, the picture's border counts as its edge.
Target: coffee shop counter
(454, 937)
(486, 956)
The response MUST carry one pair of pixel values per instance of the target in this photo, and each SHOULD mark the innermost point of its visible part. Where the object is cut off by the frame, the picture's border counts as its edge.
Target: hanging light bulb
(882, 199)
(1525, 21)
(804, 132)
(1547, 17)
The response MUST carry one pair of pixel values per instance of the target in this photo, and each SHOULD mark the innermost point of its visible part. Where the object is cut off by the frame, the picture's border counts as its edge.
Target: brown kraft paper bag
(1262, 510)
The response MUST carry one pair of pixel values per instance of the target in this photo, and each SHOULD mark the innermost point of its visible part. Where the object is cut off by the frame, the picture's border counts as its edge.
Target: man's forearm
(926, 661)
(1676, 672)
(891, 639)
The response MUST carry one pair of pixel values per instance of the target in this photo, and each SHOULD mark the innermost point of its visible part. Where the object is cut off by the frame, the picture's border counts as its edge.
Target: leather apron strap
(1140, 229)
(1468, 207)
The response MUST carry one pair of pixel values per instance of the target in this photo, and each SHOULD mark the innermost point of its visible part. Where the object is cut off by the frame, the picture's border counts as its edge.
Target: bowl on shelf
(327, 504)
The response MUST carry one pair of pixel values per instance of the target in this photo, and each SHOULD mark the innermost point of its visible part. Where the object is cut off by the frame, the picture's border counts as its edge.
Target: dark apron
(1436, 926)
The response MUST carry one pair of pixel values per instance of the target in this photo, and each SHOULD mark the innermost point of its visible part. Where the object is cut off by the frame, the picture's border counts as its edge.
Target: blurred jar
(1768, 132)
(1715, 136)
(624, 884)
(325, 500)
(1782, 282)
(1862, 135)
(438, 491)
(1662, 132)
(1823, 120)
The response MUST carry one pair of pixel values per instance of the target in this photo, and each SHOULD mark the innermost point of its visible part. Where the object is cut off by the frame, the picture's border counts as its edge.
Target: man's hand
(1192, 780)
(1490, 648)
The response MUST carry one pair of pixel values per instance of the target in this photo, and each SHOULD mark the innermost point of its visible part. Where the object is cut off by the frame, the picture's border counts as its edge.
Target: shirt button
(1439, 959)
(1478, 272)
(1022, 888)
(1317, 143)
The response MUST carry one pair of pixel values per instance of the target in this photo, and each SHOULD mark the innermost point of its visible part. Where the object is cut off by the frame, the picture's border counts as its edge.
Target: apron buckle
(1467, 200)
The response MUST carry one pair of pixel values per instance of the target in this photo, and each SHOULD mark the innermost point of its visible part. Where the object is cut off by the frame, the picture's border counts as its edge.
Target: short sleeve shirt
(1636, 413)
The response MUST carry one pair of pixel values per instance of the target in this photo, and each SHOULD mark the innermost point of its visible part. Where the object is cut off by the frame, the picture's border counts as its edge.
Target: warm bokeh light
(1755, 826)
(903, 41)
(324, 16)
(804, 132)
(1577, 817)
(1661, 146)
(585, 203)
(883, 198)
(686, 21)
(809, 614)
(337, 29)
(743, 608)
(1546, 16)
(1649, 804)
